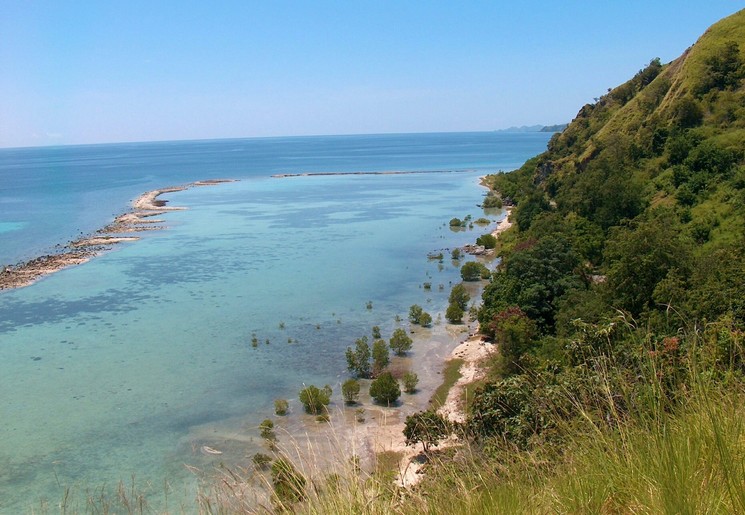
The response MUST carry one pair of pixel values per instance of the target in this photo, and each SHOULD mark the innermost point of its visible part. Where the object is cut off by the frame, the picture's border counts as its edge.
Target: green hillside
(618, 313)
(660, 156)
(619, 304)
(618, 310)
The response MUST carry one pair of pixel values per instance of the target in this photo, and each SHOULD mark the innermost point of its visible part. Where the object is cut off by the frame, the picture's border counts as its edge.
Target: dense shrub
(400, 342)
(428, 427)
(454, 314)
(380, 357)
(385, 390)
(473, 271)
(350, 391)
(314, 399)
(488, 241)
(358, 359)
(410, 381)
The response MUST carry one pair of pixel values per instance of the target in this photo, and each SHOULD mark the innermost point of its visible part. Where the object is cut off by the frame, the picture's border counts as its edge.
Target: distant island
(536, 128)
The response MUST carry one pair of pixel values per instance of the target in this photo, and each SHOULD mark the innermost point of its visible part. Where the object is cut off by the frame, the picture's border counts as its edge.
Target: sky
(75, 72)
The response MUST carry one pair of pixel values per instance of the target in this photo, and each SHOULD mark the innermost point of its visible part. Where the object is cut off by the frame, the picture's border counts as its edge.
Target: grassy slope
(662, 456)
(682, 457)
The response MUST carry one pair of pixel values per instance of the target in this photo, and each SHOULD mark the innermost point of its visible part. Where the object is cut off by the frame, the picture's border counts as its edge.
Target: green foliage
(628, 233)
(529, 208)
(415, 311)
(281, 406)
(491, 201)
(459, 296)
(350, 391)
(376, 333)
(724, 69)
(687, 112)
(428, 427)
(380, 357)
(385, 390)
(514, 332)
(410, 381)
(640, 256)
(417, 315)
(456, 222)
(454, 314)
(425, 319)
(456, 254)
(488, 241)
(314, 399)
(533, 278)
(266, 428)
(473, 271)
(506, 409)
(261, 461)
(400, 342)
(288, 483)
(358, 360)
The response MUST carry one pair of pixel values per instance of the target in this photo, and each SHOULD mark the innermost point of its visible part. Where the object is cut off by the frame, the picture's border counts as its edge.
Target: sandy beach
(388, 436)
(79, 251)
(383, 433)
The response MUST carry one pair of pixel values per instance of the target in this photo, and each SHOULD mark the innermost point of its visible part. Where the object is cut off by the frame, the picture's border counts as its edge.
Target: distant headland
(536, 128)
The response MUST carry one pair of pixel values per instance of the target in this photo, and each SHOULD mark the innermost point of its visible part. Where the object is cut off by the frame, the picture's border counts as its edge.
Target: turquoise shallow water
(132, 362)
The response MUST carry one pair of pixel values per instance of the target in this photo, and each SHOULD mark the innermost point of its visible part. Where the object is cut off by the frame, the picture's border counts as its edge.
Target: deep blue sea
(130, 364)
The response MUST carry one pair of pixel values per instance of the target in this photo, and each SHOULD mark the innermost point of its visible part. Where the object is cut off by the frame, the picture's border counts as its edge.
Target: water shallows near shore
(136, 361)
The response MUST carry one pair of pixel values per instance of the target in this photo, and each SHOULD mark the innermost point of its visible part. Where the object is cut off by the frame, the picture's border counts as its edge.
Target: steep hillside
(619, 304)
(618, 314)
(664, 148)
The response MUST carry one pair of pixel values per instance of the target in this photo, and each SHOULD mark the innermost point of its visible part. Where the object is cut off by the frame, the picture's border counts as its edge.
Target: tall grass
(655, 450)
(667, 438)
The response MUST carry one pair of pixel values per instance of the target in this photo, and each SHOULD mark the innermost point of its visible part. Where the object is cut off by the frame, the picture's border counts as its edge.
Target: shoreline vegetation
(379, 444)
(468, 356)
(617, 310)
(620, 394)
(364, 435)
(311, 445)
(391, 172)
(139, 218)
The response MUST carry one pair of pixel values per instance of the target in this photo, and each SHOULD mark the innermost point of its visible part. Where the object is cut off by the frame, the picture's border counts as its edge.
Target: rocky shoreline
(138, 219)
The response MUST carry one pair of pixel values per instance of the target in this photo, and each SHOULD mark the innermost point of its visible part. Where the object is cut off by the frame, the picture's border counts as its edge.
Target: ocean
(126, 367)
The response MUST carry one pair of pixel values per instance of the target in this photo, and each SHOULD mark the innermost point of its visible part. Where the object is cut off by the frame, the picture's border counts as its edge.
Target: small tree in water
(385, 389)
(315, 400)
(410, 382)
(415, 311)
(400, 342)
(381, 357)
(350, 390)
(358, 360)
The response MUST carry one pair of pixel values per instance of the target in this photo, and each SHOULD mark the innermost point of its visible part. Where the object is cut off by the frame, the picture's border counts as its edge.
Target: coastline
(318, 449)
(387, 434)
(82, 250)
(390, 172)
(504, 223)
(383, 431)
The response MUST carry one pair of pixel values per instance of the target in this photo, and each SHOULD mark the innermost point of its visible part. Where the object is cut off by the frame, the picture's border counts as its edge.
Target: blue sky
(91, 72)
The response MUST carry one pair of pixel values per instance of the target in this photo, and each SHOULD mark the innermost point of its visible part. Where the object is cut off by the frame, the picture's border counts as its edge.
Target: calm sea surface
(129, 364)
